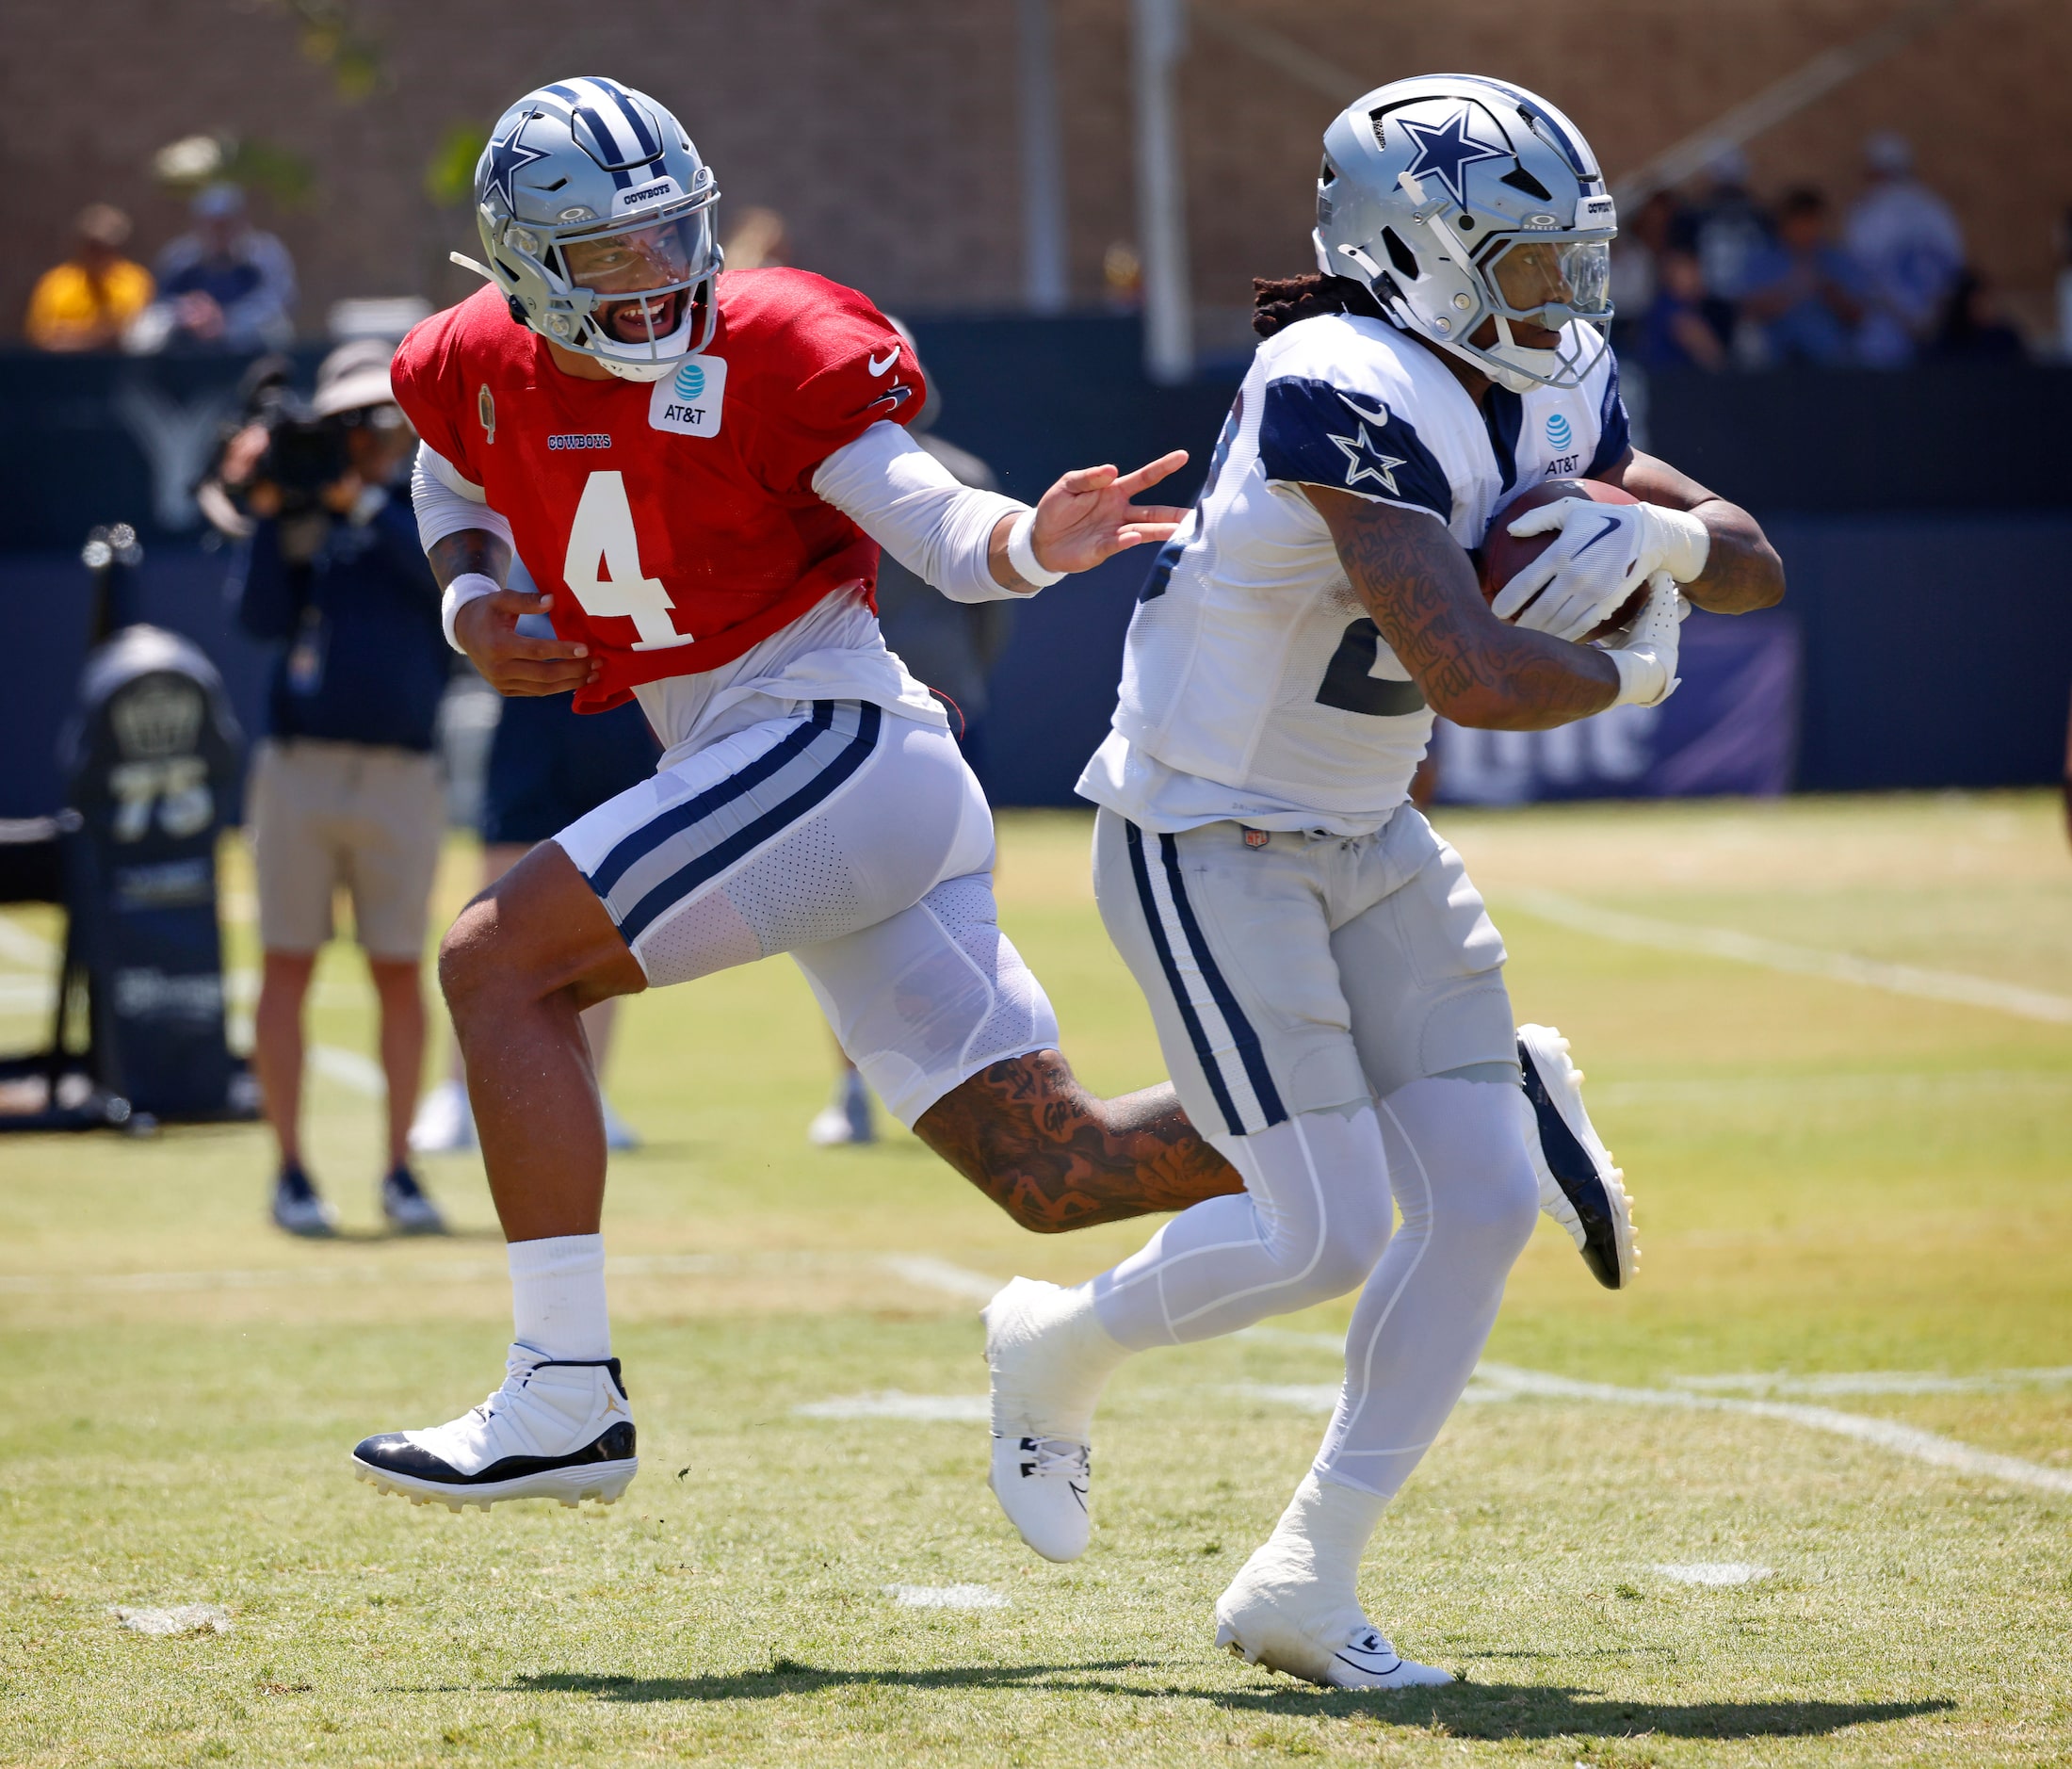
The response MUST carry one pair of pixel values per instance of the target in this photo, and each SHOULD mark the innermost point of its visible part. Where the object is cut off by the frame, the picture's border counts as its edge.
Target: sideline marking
(1502, 1382)
(892, 1404)
(1804, 961)
(1715, 1572)
(946, 1597)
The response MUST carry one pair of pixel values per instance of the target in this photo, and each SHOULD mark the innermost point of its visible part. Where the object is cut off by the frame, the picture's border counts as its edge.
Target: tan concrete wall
(885, 132)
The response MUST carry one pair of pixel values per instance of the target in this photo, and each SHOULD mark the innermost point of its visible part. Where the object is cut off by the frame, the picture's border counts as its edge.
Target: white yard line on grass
(1500, 1382)
(925, 1271)
(1907, 1440)
(1714, 1572)
(1804, 961)
(946, 1597)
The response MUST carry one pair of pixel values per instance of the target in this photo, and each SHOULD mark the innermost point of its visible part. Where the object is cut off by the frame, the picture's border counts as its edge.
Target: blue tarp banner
(1732, 727)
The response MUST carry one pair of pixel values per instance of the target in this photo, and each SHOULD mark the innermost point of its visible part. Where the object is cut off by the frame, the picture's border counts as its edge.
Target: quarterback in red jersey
(699, 471)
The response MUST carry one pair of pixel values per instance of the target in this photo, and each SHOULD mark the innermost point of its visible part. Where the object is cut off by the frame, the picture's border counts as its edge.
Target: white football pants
(1313, 1222)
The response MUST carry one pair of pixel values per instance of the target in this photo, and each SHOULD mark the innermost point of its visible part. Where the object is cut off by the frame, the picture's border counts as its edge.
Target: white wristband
(459, 593)
(1687, 543)
(1021, 553)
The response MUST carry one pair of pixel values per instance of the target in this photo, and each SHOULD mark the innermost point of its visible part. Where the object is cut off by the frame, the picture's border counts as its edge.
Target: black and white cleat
(561, 1431)
(1579, 1188)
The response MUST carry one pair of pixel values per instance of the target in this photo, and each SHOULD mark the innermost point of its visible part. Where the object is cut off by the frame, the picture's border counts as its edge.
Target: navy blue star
(1448, 150)
(1365, 459)
(509, 156)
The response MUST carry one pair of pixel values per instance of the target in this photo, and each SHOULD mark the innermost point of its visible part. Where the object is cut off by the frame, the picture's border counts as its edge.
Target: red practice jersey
(674, 520)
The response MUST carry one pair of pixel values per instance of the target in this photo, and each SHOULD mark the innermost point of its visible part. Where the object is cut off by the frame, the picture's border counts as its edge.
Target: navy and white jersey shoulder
(1356, 405)
(1254, 684)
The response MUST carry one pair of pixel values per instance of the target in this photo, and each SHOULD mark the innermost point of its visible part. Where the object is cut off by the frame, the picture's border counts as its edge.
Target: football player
(700, 469)
(1327, 986)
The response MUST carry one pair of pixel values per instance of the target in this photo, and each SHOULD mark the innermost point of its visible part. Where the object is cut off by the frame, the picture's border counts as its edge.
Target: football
(1504, 554)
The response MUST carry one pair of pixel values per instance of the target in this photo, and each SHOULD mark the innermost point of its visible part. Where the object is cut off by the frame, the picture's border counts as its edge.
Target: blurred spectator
(1684, 327)
(758, 242)
(87, 303)
(345, 790)
(1725, 229)
(1974, 330)
(1636, 257)
(226, 286)
(1804, 292)
(1909, 251)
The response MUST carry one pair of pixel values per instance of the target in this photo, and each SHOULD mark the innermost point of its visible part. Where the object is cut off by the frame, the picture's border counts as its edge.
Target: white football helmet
(1459, 200)
(596, 215)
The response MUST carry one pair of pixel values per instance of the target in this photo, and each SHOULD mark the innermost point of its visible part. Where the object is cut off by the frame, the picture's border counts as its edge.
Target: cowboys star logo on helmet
(1475, 213)
(595, 214)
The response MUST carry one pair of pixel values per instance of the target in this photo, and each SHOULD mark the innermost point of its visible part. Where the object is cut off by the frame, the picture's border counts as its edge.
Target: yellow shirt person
(87, 303)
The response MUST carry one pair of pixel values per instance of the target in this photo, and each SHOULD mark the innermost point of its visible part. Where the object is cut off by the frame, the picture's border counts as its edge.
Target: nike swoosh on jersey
(892, 356)
(1375, 417)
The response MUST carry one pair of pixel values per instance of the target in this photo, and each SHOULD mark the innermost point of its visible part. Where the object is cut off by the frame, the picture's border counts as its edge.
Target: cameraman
(346, 789)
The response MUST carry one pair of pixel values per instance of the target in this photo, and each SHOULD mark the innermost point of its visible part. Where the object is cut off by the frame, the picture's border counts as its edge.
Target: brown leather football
(1504, 554)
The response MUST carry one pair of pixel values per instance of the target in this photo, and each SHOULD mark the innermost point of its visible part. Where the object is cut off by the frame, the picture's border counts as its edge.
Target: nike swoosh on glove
(1644, 654)
(1601, 553)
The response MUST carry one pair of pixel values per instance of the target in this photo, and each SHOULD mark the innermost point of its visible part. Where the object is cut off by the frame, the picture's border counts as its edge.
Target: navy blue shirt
(364, 660)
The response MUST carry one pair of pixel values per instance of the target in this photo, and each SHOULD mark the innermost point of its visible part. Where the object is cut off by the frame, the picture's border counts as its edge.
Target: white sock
(1056, 1393)
(1313, 1557)
(558, 1297)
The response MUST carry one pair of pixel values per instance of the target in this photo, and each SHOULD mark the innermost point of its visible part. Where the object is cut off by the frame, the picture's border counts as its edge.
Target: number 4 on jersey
(603, 568)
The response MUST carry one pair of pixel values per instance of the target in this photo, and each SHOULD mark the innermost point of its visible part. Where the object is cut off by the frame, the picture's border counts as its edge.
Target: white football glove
(1644, 654)
(1601, 553)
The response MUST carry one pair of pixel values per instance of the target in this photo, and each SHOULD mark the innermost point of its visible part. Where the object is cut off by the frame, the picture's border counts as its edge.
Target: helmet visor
(652, 257)
(1533, 275)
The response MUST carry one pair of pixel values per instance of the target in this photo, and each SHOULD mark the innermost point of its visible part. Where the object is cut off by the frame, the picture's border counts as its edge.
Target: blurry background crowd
(1717, 277)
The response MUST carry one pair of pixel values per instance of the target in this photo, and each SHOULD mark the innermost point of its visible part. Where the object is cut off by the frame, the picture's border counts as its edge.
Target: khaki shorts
(366, 817)
(1307, 971)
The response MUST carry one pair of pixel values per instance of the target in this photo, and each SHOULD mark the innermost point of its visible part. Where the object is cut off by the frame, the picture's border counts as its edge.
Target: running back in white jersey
(1254, 684)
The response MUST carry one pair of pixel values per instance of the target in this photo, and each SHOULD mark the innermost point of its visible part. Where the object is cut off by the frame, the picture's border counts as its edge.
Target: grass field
(1856, 1207)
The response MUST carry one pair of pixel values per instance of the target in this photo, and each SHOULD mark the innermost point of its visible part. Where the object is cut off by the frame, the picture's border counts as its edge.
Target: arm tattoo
(1420, 588)
(469, 549)
(1054, 1156)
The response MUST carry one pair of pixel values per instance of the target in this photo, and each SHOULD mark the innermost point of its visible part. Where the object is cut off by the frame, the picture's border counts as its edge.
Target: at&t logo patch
(690, 402)
(1559, 433)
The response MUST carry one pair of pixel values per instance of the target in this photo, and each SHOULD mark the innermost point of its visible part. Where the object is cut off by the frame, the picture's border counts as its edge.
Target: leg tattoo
(1054, 1156)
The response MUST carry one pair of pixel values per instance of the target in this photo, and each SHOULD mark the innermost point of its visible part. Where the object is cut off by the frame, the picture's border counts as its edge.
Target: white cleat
(553, 1430)
(1338, 1647)
(444, 1124)
(1041, 1476)
(1579, 1187)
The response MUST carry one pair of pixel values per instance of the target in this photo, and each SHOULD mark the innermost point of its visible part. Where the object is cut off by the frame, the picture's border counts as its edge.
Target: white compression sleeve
(445, 503)
(906, 500)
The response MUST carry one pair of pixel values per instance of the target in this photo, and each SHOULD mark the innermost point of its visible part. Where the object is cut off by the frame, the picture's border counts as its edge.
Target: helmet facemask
(1481, 214)
(636, 295)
